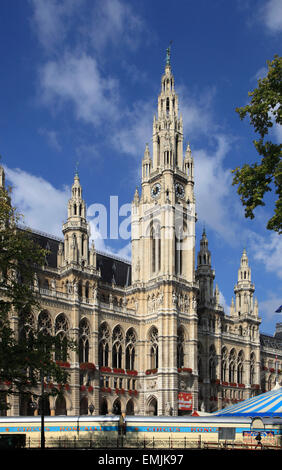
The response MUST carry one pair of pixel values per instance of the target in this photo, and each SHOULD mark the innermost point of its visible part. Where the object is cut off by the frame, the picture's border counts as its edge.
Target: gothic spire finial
(76, 168)
(168, 54)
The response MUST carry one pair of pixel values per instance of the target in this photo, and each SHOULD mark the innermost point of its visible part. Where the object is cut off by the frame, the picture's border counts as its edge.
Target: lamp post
(91, 408)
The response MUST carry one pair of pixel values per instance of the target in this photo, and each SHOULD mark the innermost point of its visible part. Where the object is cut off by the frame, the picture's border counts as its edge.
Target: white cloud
(268, 250)
(44, 207)
(223, 302)
(196, 110)
(76, 79)
(50, 20)
(214, 198)
(135, 130)
(51, 137)
(271, 15)
(268, 307)
(115, 22)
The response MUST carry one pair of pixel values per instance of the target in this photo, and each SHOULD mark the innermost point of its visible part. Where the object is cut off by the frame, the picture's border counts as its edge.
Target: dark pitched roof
(113, 268)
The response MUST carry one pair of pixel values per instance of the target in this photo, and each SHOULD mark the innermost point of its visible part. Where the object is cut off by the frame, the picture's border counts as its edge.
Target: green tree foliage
(26, 358)
(264, 111)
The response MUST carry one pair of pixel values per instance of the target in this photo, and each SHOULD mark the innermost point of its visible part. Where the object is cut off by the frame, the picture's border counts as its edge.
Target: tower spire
(168, 54)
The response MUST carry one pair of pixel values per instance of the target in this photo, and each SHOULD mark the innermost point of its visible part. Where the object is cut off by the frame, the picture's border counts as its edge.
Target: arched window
(240, 367)
(167, 106)
(252, 369)
(180, 237)
(87, 290)
(117, 342)
(61, 328)
(117, 407)
(153, 406)
(155, 237)
(180, 347)
(104, 339)
(26, 328)
(212, 363)
(84, 335)
(44, 323)
(200, 363)
(130, 342)
(129, 408)
(154, 354)
(232, 359)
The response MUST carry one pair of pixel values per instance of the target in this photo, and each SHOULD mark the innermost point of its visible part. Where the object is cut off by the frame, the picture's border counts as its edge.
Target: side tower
(244, 313)
(163, 260)
(205, 274)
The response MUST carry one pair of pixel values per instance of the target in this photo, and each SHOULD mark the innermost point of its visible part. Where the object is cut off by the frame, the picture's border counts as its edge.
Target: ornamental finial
(168, 54)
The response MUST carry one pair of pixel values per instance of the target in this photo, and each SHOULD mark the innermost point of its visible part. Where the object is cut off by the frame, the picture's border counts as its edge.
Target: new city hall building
(153, 337)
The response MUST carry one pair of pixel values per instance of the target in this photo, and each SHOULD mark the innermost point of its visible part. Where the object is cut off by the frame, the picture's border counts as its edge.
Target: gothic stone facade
(153, 329)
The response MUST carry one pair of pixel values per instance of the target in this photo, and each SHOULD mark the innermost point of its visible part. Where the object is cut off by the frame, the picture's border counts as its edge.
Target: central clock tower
(163, 262)
(163, 216)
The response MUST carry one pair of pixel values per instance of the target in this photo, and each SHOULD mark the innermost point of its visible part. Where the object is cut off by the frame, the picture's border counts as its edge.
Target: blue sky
(79, 83)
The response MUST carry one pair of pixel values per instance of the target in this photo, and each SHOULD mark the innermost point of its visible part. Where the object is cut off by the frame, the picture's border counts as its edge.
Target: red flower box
(105, 369)
(241, 385)
(131, 372)
(118, 371)
(82, 388)
(87, 366)
(225, 384)
(151, 371)
(271, 369)
(90, 388)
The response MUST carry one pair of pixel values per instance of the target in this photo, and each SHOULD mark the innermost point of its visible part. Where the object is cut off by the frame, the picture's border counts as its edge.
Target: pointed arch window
(84, 335)
(180, 347)
(155, 237)
(104, 339)
(240, 371)
(167, 106)
(224, 365)
(130, 343)
(61, 329)
(180, 236)
(252, 369)
(154, 352)
(117, 341)
(232, 359)
(212, 363)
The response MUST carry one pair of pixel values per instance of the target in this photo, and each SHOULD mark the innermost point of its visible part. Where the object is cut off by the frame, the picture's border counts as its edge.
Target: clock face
(156, 190)
(179, 190)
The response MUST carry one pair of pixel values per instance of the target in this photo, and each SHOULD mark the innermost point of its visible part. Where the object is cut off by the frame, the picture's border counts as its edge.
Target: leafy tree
(25, 359)
(255, 180)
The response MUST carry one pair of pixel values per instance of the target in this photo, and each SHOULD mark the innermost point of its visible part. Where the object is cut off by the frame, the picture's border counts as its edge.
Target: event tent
(265, 404)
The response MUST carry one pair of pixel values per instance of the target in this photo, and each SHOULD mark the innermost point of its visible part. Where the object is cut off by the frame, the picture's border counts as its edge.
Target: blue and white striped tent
(266, 404)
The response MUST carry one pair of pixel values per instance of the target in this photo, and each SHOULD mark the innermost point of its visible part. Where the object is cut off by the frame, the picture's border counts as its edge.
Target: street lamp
(91, 408)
